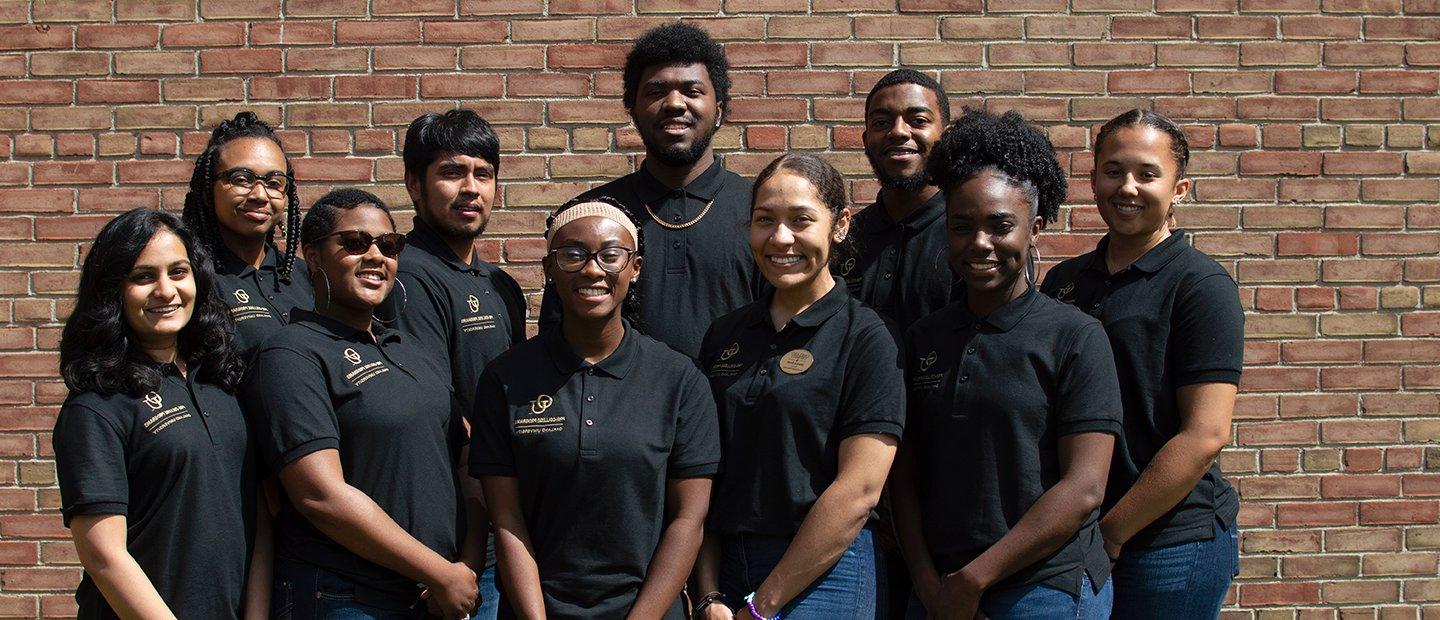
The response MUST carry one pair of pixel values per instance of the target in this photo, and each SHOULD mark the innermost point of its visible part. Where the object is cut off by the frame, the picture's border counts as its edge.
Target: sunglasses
(357, 242)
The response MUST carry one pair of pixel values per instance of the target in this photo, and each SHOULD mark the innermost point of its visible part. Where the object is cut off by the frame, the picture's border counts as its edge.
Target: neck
(676, 177)
(249, 249)
(462, 247)
(593, 340)
(790, 302)
(1121, 251)
(982, 303)
(899, 204)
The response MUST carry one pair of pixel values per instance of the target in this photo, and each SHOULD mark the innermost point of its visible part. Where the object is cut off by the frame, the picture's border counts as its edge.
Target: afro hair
(677, 44)
(980, 141)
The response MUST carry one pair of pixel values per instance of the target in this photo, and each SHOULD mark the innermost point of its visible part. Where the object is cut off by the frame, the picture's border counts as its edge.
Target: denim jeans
(489, 595)
(848, 590)
(1038, 600)
(305, 592)
(1188, 580)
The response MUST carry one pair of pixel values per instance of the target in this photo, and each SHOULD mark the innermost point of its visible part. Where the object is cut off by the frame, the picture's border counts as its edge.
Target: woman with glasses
(595, 443)
(240, 192)
(356, 419)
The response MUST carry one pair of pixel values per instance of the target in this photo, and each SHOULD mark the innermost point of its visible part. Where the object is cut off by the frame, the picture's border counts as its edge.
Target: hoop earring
(404, 301)
(1031, 269)
(327, 288)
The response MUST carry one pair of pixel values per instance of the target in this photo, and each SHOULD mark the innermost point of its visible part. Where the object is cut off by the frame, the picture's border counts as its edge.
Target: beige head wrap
(591, 209)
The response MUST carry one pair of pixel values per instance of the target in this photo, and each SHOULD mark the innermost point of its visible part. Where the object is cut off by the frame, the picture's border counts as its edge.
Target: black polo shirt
(691, 275)
(179, 464)
(385, 405)
(259, 302)
(1174, 319)
(900, 268)
(989, 400)
(471, 312)
(592, 447)
(788, 398)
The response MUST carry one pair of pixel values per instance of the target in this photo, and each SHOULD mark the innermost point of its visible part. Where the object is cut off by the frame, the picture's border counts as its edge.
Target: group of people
(705, 425)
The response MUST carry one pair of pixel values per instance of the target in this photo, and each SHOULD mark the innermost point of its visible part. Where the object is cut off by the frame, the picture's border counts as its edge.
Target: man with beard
(456, 305)
(693, 210)
(899, 265)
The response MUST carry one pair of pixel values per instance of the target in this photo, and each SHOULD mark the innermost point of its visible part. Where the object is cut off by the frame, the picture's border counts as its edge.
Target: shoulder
(941, 319)
(1061, 318)
(1064, 272)
(85, 408)
(416, 261)
(869, 328)
(1195, 265)
(290, 340)
(520, 358)
(619, 189)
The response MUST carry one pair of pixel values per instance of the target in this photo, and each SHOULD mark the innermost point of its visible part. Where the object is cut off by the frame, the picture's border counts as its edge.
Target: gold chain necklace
(682, 225)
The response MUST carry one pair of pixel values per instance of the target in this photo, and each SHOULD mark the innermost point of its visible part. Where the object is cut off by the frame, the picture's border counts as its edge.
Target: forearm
(515, 561)
(905, 516)
(673, 559)
(477, 518)
(1046, 526)
(349, 517)
(1169, 477)
(707, 566)
(125, 586)
(262, 561)
(828, 529)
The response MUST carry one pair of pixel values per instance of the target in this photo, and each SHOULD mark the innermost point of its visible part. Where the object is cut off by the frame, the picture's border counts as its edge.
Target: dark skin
(675, 108)
(591, 300)
(902, 124)
(991, 229)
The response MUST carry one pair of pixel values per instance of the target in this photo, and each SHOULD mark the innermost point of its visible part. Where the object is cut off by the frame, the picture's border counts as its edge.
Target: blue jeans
(305, 592)
(1038, 600)
(489, 596)
(848, 590)
(1188, 580)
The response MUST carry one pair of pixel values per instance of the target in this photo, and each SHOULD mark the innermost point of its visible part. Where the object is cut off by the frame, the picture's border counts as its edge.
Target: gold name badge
(796, 362)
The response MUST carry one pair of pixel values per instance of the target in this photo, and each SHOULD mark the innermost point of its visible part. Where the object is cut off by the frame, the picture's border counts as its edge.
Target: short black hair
(677, 44)
(199, 211)
(320, 219)
(456, 131)
(97, 352)
(1179, 146)
(980, 141)
(911, 76)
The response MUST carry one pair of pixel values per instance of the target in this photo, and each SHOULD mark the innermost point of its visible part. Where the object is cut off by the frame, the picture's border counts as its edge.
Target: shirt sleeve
(490, 451)
(1088, 394)
(287, 397)
(872, 394)
(697, 429)
(90, 463)
(1208, 335)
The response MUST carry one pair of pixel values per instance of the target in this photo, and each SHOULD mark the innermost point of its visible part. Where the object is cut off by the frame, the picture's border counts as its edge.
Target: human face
(357, 283)
(902, 123)
(991, 230)
(792, 232)
(1136, 181)
(455, 194)
(676, 113)
(158, 296)
(592, 294)
(252, 213)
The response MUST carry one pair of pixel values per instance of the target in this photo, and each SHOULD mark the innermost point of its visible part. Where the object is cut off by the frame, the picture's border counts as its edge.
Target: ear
(1093, 177)
(415, 186)
(842, 226)
(1182, 189)
(1037, 225)
(636, 263)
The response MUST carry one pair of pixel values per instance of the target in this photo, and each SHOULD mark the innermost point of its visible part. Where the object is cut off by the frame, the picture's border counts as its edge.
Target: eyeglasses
(357, 242)
(571, 259)
(275, 182)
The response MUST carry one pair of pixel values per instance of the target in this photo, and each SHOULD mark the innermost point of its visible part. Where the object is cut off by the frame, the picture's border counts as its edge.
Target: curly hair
(199, 212)
(979, 141)
(677, 44)
(1179, 146)
(456, 131)
(321, 217)
(98, 352)
(630, 306)
(911, 76)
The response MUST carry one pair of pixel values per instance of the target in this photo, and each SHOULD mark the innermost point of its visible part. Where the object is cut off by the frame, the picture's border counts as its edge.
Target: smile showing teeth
(590, 291)
(785, 260)
(163, 309)
(372, 276)
(981, 265)
(1127, 209)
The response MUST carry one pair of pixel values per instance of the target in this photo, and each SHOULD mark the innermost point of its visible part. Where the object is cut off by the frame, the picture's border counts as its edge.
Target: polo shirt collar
(227, 262)
(1153, 260)
(921, 217)
(617, 365)
(823, 308)
(336, 330)
(704, 187)
(424, 237)
(1004, 318)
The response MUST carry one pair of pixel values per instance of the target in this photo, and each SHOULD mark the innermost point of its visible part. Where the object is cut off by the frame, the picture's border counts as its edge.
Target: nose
(1131, 186)
(591, 267)
(673, 101)
(782, 236)
(899, 130)
(471, 185)
(164, 288)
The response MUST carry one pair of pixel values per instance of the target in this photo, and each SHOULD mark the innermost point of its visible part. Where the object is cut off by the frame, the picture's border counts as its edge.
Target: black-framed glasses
(274, 182)
(571, 259)
(357, 242)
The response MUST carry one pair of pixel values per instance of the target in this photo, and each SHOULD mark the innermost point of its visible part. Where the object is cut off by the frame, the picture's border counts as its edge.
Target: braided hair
(630, 306)
(199, 213)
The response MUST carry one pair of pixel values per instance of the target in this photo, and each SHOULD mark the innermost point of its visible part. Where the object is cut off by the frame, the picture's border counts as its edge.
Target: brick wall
(1315, 124)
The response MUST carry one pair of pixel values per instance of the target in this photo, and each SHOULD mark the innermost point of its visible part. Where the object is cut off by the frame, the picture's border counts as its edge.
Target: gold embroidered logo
(541, 403)
(153, 400)
(847, 266)
(473, 302)
(796, 362)
(352, 356)
(928, 361)
(1064, 291)
(730, 351)
(241, 296)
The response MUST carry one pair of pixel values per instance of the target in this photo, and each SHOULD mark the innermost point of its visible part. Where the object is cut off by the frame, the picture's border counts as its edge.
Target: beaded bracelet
(755, 613)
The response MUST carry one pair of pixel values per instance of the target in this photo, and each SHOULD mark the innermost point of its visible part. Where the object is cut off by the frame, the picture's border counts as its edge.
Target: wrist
(762, 607)
(973, 579)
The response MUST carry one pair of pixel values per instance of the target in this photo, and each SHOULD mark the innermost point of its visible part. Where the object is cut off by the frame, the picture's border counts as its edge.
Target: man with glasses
(456, 305)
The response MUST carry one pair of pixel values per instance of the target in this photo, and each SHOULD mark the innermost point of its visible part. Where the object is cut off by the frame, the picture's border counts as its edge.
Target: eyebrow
(914, 109)
(673, 83)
